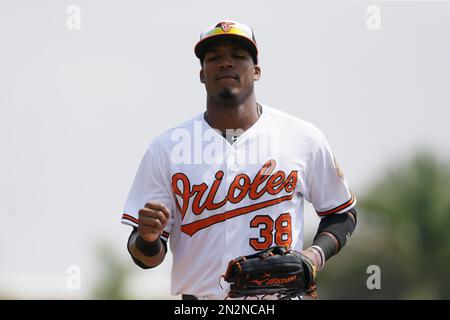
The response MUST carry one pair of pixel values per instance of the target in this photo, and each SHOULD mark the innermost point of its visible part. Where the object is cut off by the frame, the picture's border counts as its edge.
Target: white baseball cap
(231, 29)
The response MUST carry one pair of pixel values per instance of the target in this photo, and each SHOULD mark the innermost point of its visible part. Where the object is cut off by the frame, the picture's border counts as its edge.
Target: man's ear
(202, 76)
(257, 75)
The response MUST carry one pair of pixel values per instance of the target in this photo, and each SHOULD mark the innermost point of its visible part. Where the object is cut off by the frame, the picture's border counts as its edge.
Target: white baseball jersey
(232, 199)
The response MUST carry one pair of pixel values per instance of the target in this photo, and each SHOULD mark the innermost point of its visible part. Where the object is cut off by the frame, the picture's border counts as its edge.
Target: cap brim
(202, 45)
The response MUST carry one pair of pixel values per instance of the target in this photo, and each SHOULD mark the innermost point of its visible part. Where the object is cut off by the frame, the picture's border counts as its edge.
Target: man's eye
(239, 56)
(212, 58)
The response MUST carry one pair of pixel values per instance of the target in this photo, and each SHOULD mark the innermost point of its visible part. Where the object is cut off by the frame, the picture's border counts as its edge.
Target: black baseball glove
(277, 270)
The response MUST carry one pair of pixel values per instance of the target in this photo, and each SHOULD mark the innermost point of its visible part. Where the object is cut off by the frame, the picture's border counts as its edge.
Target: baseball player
(232, 181)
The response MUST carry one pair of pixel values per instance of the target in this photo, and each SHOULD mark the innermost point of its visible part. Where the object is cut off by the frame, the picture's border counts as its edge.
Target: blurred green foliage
(111, 284)
(404, 228)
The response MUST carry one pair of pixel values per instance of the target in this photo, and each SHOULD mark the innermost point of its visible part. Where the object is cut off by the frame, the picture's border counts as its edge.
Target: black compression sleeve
(340, 226)
(327, 244)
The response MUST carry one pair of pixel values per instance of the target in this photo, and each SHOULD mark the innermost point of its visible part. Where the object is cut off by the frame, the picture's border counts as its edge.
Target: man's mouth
(227, 76)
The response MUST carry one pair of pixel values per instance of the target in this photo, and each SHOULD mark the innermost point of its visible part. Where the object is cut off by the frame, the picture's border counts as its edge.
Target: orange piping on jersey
(195, 226)
(339, 208)
(128, 217)
(165, 234)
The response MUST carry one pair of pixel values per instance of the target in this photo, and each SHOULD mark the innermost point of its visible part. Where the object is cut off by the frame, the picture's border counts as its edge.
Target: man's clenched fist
(152, 220)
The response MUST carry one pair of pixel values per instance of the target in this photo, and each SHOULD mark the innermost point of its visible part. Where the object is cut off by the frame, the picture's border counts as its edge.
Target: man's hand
(152, 220)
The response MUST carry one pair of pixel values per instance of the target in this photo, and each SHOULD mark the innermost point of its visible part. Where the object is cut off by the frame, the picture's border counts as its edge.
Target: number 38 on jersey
(278, 231)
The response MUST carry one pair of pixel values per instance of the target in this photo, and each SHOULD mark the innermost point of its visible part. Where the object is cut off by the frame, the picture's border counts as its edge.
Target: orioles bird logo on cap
(226, 26)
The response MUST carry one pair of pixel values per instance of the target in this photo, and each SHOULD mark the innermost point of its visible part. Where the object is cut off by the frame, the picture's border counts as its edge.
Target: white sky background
(79, 107)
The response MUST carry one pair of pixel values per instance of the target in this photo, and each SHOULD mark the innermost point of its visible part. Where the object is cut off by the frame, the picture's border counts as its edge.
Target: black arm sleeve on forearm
(138, 262)
(340, 226)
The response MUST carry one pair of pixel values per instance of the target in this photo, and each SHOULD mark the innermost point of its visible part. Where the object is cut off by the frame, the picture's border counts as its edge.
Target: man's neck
(232, 116)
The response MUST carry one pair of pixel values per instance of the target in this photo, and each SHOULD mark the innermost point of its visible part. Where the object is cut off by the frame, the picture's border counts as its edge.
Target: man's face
(228, 71)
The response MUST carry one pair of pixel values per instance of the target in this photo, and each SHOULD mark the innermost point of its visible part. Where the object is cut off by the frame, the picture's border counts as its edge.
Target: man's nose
(226, 62)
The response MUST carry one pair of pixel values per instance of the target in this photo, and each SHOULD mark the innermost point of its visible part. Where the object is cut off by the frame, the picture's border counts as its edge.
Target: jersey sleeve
(151, 183)
(327, 188)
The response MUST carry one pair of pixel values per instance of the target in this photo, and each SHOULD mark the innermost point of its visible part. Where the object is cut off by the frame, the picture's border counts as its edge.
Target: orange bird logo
(226, 26)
